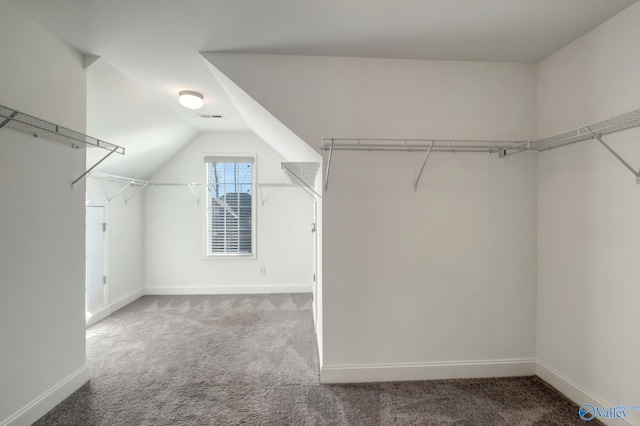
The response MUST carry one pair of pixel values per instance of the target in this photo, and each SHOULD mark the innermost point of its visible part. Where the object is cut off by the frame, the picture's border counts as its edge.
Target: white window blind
(230, 205)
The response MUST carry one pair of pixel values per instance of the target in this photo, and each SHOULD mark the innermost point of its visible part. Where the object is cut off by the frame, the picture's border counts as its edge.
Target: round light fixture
(190, 99)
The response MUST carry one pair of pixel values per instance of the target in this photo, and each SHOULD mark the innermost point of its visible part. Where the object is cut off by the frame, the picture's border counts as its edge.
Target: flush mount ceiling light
(190, 99)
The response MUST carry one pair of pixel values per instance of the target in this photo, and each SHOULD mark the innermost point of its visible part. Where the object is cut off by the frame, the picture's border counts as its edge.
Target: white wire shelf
(593, 131)
(36, 127)
(417, 145)
(141, 184)
(121, 179)
(13, 119)
(303, 175)
(583, 133)
(413, 145)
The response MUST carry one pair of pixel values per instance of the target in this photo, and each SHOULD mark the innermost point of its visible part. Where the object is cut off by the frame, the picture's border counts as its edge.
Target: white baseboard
(98, 315)
(104, 312)
(124, 301)
(426, 371)
(230, 289)
(48, 400)
(580, 395)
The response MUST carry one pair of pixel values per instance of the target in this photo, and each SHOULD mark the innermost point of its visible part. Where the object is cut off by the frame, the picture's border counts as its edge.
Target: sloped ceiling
(262, 122)
(121, 112)
(155, 45)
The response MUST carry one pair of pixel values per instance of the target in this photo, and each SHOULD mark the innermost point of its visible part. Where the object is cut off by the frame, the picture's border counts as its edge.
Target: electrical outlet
(263, 270)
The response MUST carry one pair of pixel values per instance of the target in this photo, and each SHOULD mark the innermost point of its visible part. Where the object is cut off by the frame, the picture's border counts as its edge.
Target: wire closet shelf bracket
(141, 184)
(11, 118)
(595, 131)
(412, 145)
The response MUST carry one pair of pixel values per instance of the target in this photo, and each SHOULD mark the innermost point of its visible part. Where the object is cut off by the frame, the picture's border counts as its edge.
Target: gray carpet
(230, 360)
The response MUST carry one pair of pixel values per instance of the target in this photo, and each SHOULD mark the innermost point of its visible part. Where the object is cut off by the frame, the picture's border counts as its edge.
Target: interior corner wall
(438, 282)
(42, 221)
(175, 226)
(125, 241)
(588, 343)
(318, 286)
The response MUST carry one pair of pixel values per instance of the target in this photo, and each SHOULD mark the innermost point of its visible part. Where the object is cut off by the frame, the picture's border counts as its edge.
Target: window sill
(229, 257)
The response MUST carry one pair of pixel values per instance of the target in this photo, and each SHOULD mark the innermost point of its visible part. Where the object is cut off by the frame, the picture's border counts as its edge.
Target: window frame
(206, 206)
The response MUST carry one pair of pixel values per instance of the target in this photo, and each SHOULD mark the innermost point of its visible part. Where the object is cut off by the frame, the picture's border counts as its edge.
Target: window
(230, 206)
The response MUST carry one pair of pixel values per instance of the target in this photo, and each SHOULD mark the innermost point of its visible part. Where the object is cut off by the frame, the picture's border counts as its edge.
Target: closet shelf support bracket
(304, 186)
(73, 184)
(326, 179)
(415, 187)
(521, 147)
(8, 119)
(193, 192)
(617, 156)
(109, 199)
(143, 186)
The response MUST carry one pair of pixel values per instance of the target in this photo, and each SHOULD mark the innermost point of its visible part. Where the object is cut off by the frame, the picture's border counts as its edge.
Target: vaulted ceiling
(149, 49)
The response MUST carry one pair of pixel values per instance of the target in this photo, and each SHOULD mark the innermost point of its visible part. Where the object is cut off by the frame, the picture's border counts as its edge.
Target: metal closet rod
(140, 182)
(413, 145)
(416, 145)
(144, 183)
(11, 118)
(137, 182)
(593, 131)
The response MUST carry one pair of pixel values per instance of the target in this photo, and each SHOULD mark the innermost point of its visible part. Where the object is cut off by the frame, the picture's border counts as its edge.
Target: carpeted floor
(229, 360)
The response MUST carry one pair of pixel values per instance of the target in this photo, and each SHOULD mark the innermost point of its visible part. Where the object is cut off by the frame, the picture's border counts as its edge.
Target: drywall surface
(175, 233)
(264, 124)
(124, 237)
(117, 120)
(588, 204)
(123, 113)
(442, 274)
(42, 325)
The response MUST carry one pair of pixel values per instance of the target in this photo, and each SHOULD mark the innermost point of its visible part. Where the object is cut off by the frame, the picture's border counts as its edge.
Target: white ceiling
(156, 43)
(122, 112)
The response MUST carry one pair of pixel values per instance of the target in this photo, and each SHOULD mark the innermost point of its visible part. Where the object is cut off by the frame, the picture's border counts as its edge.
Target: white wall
(42, 327)
(114, 105)
(175, 227)
(416, 281)
(588, 204)
(263, 123)
(444, 277)
(122, 112)
(124, 240)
